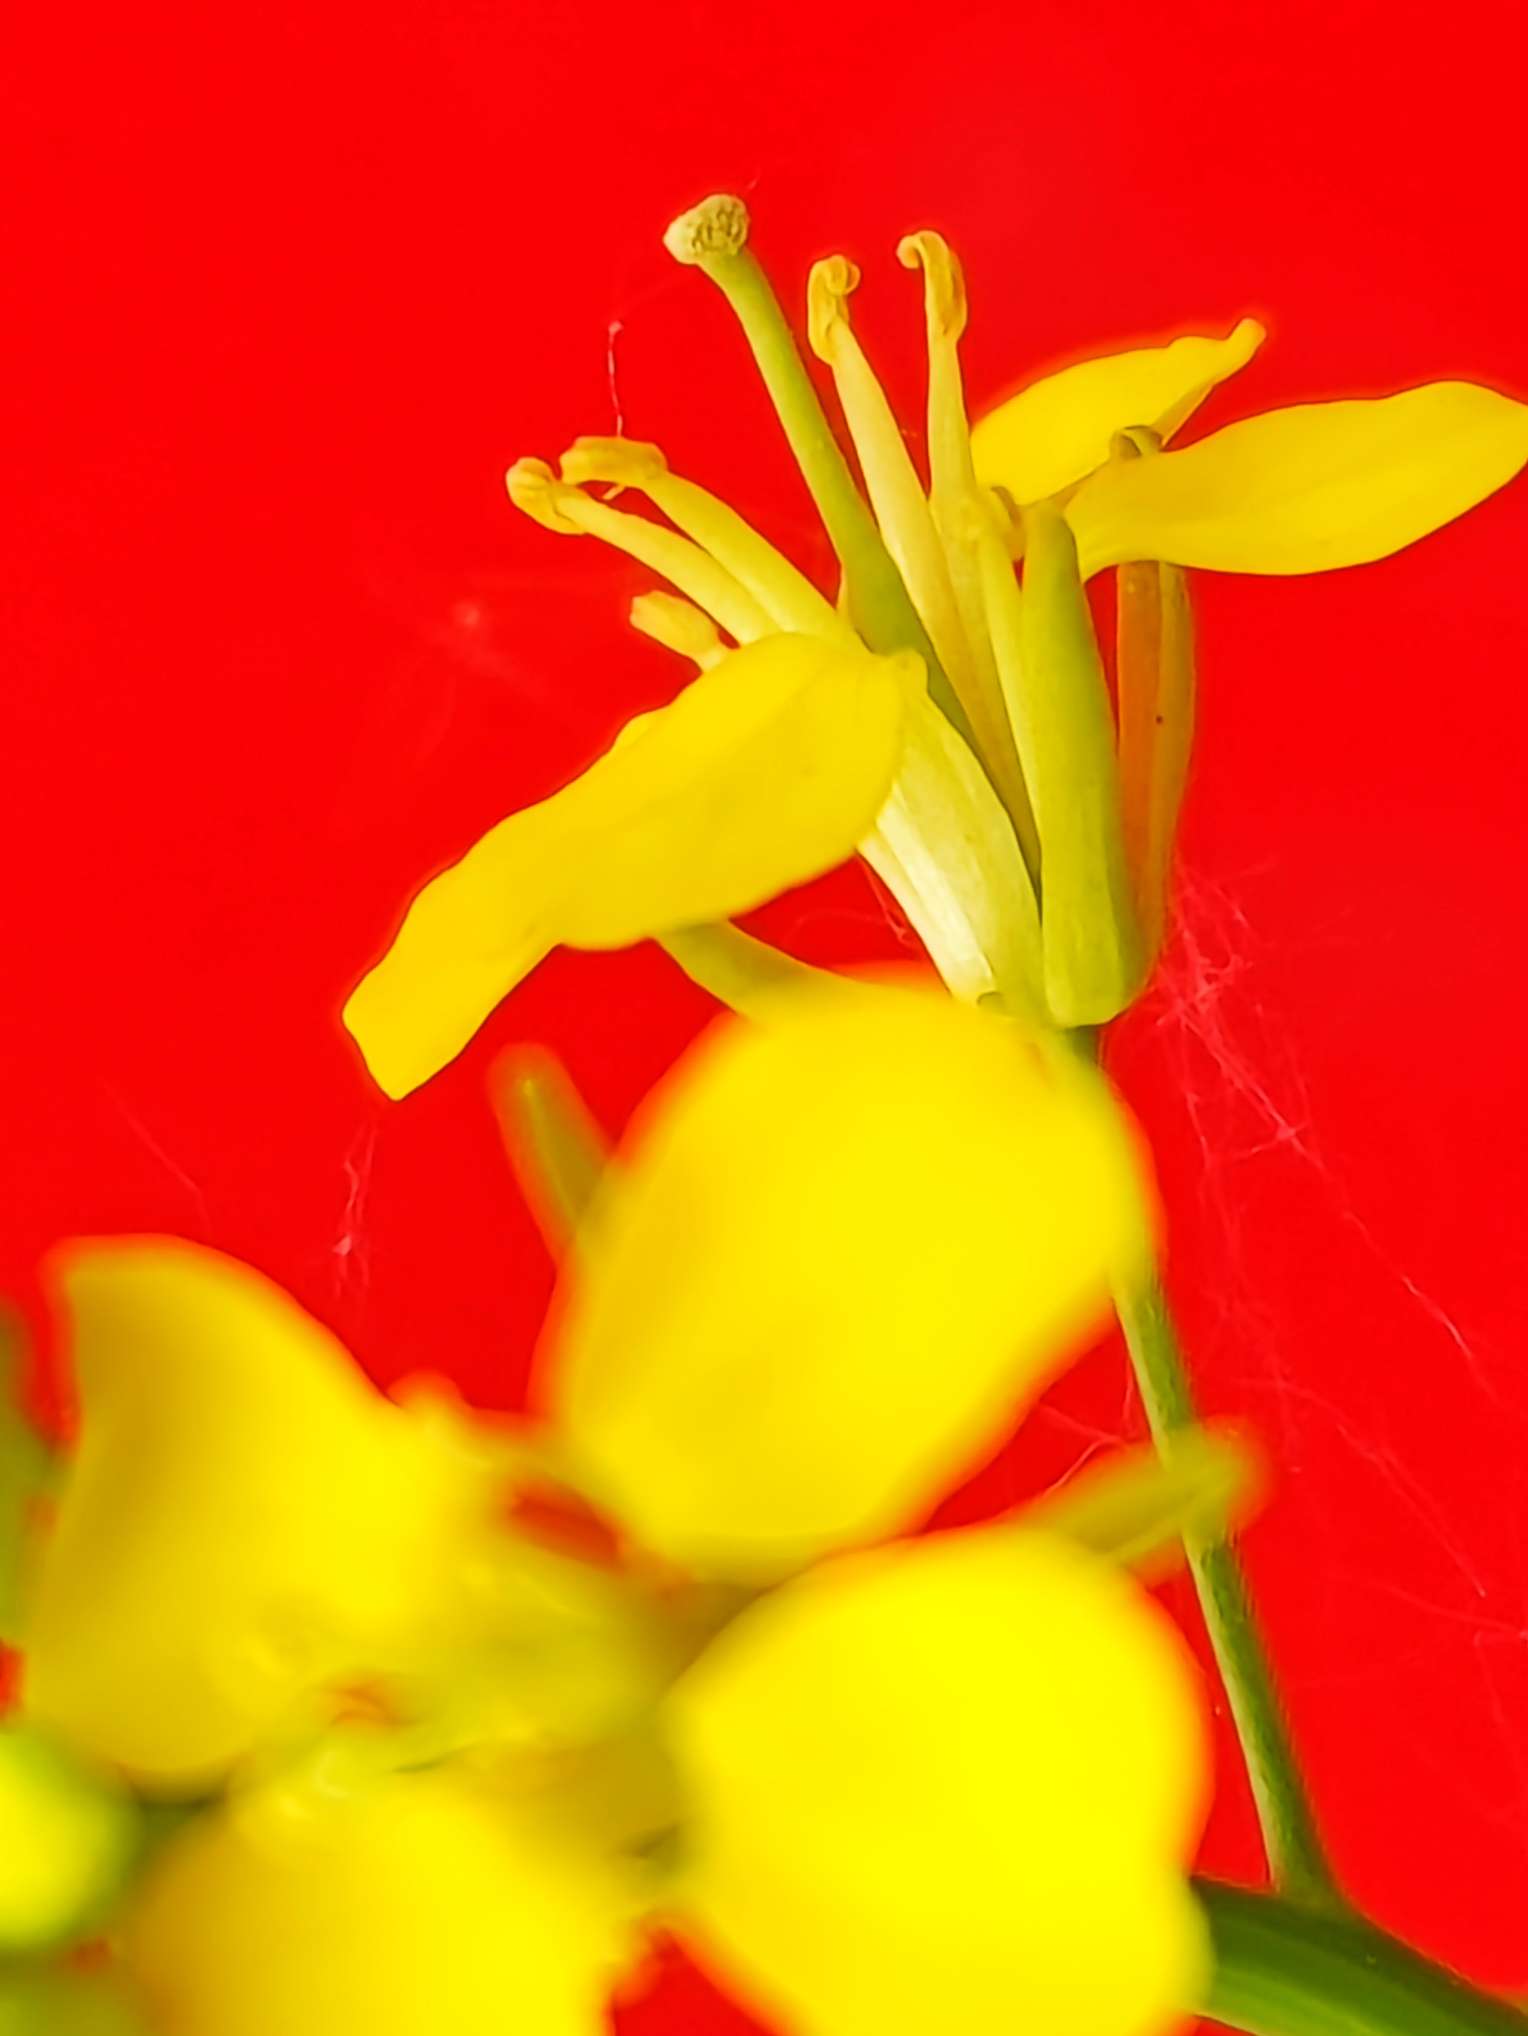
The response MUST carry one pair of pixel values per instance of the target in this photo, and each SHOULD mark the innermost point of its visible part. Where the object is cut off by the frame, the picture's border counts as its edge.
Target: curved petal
(849, 1249)
(413, 1909)
(1052, 433)
(764, 772)
(245, 1518)
(1308, 489)
(933, 1784)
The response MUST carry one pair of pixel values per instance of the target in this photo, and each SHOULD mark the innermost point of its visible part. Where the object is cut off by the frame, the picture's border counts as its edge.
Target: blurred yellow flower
(246, 1522)
(874, 1787)
(66, 1837)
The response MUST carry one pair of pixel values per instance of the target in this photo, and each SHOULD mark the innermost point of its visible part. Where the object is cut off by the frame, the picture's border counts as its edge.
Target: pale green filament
(534, 488)
(713, 238)
(786, 594)
(679, 626)
(738, 970)
(952, 489)
(896, 493)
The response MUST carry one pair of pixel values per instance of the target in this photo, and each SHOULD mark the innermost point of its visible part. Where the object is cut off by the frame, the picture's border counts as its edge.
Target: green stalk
(1285, 1970)
(1296, 1857)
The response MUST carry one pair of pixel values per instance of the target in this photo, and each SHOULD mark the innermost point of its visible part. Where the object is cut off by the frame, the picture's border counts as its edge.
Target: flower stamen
(787, 594)
(713, 238)
(558, 505)
(679, 626)
(952, 489)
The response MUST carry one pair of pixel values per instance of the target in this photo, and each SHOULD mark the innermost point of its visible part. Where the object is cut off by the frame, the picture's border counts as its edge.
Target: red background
(292, 287)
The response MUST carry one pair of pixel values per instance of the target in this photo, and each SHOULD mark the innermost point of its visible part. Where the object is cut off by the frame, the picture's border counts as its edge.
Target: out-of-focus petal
(849, 1248)
(947, 1785)
(764, 772)
(66, 1837)
(412, 1909)
(58, 2000)
(245, 1518)
(1052, 433)
(1308, 489)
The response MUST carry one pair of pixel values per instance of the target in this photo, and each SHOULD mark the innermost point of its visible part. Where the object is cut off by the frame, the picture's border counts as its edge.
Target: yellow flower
(246, 1523)
(414, 1906)
(875, 1787)
(1026, 830)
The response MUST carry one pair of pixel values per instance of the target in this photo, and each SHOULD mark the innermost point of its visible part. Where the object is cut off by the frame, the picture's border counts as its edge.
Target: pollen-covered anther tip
(828, 289)
(536, 491)
(625, 462)
(710, 231)
(944, 281)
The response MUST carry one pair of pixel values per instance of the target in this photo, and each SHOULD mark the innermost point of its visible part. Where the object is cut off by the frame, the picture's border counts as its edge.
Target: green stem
(1296, 1858)
(1285, 1970)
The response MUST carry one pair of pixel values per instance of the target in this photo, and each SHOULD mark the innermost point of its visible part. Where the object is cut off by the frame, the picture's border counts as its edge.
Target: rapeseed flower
(877, 1784)
(1022, 816)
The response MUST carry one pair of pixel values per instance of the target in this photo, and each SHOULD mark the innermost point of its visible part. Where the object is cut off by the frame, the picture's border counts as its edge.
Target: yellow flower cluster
(448, 1776)
(323, 1725)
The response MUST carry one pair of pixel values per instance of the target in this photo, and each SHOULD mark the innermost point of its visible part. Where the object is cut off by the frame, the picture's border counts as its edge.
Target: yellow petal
(1052, 433)
(764, 772)
(409, 1910)
(245, 1518)
(947, 1785)
(1308, 489)
(848, 1249)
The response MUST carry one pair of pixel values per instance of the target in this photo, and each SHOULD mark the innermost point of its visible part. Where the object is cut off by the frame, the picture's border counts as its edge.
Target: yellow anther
(828, 289)
(944, 285)
(716, 227)
(625, 462)
(536, 490)
(679, 626)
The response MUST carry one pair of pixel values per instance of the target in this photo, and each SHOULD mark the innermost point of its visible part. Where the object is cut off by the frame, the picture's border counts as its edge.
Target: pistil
(713, 237)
